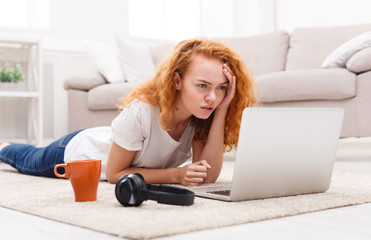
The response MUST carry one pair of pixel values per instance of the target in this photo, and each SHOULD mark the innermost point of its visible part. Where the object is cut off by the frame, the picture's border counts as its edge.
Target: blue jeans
(31, 160)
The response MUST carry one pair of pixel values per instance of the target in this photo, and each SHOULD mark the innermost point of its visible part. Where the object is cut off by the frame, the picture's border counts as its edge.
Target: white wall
(73, 22)
(291, 14)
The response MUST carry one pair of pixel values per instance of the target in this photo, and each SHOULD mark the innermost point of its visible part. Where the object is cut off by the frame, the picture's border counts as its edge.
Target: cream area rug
(53, 199)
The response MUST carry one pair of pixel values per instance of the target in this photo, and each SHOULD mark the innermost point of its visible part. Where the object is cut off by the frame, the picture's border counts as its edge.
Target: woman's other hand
(194, 173)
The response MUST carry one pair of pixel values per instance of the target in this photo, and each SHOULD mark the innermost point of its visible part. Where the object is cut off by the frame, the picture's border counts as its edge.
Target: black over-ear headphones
(131, 190)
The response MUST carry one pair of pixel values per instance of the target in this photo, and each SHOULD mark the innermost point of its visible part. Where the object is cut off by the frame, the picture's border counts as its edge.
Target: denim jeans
(31, 160)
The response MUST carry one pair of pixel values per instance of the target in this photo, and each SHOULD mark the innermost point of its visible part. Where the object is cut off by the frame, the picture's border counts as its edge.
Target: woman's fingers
(227, 71)
(198, 168)
(203, 163)
(231, 88)
(194, 180)
(196, 172)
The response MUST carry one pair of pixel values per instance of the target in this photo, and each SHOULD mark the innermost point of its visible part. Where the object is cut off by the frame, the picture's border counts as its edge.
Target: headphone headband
(170, 195)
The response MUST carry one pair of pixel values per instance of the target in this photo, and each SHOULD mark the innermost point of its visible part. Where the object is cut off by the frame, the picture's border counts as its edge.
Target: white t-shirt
(136, 128)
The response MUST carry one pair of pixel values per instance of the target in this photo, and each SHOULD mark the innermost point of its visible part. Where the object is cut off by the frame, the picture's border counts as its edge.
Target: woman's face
(202, 88)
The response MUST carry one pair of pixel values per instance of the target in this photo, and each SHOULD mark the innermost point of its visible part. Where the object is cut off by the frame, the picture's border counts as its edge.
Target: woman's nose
(210, 96)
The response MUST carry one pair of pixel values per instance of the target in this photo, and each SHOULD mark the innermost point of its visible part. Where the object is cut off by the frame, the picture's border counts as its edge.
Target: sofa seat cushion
(104, 97)
(309, 84)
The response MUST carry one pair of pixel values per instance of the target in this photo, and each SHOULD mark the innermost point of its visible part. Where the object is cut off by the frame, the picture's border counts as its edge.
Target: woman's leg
(32, 160)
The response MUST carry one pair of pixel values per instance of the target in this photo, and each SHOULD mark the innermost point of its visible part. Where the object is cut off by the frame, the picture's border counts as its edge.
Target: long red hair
(160, 90)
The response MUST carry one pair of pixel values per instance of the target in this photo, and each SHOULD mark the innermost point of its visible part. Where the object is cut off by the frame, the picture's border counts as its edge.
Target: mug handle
(66, 173)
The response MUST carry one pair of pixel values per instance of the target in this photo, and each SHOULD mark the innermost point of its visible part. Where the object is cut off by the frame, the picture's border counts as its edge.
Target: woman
(194, 102)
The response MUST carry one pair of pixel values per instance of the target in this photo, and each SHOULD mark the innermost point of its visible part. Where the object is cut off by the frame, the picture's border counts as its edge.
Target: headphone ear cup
(140, 176)
(124, 190)
(128, 190)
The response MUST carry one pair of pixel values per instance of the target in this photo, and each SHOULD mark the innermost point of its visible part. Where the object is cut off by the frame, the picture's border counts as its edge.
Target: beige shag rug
(53, 199)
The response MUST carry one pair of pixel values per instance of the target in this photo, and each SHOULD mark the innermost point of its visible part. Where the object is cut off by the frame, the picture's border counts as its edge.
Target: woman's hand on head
(194, 173)
(231, 88)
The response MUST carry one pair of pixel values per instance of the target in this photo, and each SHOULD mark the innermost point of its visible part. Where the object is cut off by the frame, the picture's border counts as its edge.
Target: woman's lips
(207, 109)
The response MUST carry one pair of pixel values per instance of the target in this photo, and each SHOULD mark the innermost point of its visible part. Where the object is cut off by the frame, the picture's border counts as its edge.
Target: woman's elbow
(210, 180)
(111, 178)
(212, 177)
(112, 181)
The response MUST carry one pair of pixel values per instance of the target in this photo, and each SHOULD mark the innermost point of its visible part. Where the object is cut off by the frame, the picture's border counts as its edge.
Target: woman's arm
(213, 150)
(119, 161)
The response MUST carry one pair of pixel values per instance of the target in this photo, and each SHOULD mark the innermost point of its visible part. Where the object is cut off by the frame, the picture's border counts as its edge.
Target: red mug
(84, 176)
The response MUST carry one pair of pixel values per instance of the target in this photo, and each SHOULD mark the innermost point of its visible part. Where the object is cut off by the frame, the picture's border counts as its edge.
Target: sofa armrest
(360, 61)
(85, 81)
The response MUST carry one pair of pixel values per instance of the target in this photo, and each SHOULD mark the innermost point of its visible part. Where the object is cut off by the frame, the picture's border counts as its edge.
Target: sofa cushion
(360, 61)
(160, 52)
(104, 97)
(84, 81)
(340, 56)
(309, 47)
(136, 60)
(310, 84)
(107, 61)
(263, 53)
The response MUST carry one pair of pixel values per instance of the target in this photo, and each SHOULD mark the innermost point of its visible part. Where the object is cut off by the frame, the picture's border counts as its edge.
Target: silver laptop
(282, 152)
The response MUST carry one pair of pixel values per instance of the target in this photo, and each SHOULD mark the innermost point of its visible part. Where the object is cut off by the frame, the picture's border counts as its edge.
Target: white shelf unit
(34, 92)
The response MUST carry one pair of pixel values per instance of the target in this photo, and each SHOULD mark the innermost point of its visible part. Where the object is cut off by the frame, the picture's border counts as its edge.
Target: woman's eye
(222, 88)
(202, 85)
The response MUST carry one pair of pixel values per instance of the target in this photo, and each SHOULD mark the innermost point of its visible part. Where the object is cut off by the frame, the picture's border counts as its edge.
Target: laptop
(281, 152)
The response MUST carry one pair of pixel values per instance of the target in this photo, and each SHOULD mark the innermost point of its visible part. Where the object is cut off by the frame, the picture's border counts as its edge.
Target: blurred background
(63, 27)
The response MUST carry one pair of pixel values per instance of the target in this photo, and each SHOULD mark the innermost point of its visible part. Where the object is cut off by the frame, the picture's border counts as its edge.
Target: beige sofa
(286, 67)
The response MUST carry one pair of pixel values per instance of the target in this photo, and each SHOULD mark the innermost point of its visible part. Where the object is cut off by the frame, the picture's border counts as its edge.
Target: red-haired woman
(192, 107)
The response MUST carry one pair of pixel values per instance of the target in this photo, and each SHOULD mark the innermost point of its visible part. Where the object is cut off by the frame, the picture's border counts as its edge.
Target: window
(31, 14)
(179, 19)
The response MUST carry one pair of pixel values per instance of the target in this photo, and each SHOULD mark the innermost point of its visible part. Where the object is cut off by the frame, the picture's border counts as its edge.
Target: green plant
(14, 75)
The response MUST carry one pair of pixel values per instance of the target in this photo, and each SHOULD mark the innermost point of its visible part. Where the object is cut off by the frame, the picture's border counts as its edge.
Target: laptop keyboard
(221, 192)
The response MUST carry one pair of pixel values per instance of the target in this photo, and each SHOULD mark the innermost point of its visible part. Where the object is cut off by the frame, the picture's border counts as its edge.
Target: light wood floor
(341, 223)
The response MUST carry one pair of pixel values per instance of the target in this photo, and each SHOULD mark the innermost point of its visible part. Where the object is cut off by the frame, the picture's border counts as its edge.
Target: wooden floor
(341, 223)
